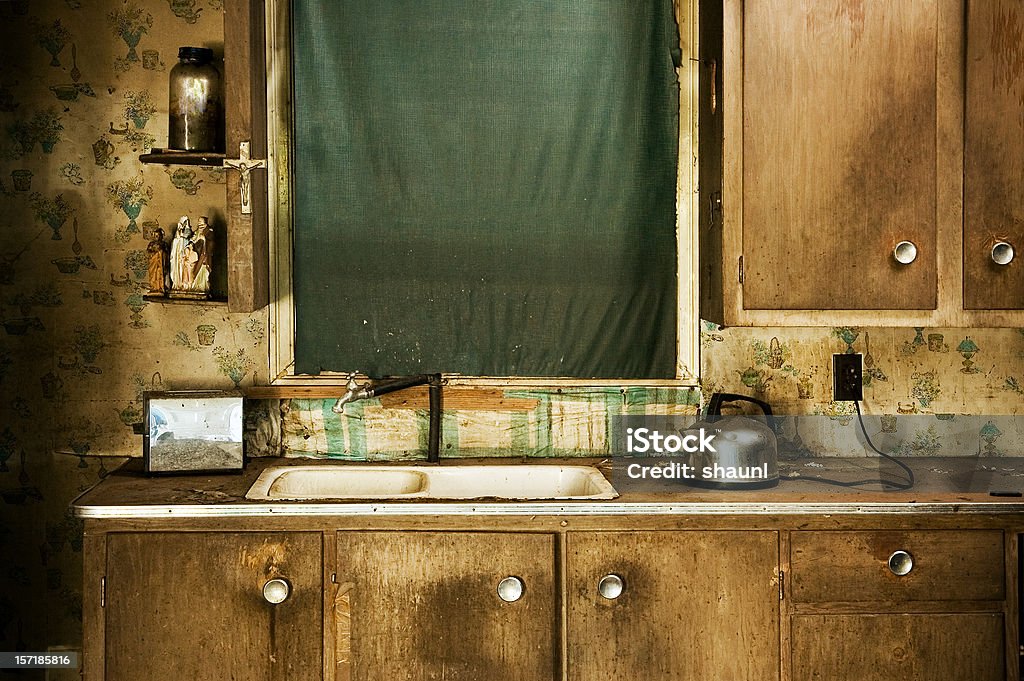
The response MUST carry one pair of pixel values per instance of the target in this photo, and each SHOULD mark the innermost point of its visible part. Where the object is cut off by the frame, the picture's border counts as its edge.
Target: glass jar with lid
(196, 103)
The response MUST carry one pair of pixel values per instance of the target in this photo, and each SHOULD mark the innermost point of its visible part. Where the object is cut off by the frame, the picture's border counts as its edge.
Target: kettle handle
(715, 405)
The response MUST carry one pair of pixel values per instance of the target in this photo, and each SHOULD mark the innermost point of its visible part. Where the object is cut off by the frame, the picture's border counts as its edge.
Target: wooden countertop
(943, 485)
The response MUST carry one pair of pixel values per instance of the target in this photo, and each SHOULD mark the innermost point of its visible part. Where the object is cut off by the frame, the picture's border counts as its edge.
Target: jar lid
(197, 53)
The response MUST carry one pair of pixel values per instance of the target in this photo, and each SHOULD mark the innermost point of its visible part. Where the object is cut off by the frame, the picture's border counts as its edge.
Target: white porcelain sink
(352, 481)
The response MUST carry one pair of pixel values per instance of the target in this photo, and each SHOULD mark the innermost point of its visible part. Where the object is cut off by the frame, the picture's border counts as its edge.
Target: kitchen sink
(353, 481)
(335, 482)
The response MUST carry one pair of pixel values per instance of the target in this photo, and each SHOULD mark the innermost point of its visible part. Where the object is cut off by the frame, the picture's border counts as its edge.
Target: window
(488, 193)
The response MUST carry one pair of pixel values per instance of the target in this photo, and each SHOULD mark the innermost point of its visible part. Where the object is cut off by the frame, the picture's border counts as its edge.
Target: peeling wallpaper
(83, 89)
(906, 370)
(83, 92)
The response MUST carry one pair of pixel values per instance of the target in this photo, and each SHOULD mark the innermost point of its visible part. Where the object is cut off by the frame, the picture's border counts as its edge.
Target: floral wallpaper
(83, 92)
(906, 371)
(83, 89)
(929, 392)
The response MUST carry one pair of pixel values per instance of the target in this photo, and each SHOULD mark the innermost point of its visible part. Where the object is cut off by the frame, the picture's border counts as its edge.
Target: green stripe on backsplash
(565, 423)
(356, 423)
(449, 432)
(614, 405)
(521, 440)
(334, 429)
(635, 400)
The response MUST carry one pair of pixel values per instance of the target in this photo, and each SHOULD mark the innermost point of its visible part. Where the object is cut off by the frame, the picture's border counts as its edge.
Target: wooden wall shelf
(247, 238)
(216, 300)
(184, 158)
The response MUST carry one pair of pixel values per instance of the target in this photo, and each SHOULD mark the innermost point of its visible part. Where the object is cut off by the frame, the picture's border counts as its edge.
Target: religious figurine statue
(180, 271)
(190, 277)
(157, 251)
(202, 247)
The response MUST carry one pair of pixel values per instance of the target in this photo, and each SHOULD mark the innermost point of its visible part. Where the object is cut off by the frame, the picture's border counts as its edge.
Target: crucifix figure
(244, 165)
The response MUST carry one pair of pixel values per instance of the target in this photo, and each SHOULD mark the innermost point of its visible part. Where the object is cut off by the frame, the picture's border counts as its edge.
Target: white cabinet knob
(1002, 253)
(905, 252)
(611, 586)
(276, 591)
(510, 589)
(901, 563)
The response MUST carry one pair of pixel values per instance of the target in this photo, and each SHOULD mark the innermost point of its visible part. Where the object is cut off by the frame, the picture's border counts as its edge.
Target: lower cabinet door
(188, 605)
(961, 647)
(673, 606)
(446, 605)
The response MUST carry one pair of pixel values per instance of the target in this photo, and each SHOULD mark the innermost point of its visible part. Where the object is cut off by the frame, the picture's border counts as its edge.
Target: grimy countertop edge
(944, 486)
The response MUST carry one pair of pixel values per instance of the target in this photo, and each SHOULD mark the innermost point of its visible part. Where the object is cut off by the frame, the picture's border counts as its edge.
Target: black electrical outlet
(847, 378)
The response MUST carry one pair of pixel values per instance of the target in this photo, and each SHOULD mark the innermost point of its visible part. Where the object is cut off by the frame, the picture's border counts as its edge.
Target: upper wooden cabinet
(994, 156)
(831, 132)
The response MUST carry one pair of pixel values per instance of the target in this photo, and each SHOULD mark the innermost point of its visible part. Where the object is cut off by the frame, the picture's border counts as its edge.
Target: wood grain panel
(482, 399)
(696, 606)
(994, 154)
(455, 397)
(94, 558)
(190, 606)
(424, 605)
(246, 120)
(888, 647)
(853, 566)
(1012, 607)
(710, 133)
(839, 157)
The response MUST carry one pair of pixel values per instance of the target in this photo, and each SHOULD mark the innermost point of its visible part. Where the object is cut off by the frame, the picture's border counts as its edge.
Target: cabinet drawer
(944, 565)
(875, 647)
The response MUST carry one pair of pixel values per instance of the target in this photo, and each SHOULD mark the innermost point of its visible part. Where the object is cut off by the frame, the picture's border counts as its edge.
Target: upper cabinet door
(673, 606)
(994, 156)
(445, 605)
(839, 129)
(188, 605)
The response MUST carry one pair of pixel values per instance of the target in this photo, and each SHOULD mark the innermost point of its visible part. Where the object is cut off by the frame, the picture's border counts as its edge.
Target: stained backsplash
(499, 422)
(961, 386)
(82, 94)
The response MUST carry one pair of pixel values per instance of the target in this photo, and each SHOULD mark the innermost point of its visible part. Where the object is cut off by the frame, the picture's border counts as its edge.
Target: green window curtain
(485, 187)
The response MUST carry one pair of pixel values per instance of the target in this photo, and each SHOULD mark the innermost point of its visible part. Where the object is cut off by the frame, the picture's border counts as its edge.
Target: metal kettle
(746, 450)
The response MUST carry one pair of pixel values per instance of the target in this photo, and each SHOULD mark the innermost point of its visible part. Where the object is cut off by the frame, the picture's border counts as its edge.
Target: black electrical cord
(894, 485)
(906, 469)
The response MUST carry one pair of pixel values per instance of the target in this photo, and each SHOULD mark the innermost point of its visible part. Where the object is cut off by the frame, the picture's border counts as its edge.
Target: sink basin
(332, 482)
(430, 482)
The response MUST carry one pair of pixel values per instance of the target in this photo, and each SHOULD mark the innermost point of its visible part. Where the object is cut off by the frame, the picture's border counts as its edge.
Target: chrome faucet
(354, 392)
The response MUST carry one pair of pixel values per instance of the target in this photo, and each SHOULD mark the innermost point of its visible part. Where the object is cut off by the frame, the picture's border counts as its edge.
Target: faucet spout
(354, 392)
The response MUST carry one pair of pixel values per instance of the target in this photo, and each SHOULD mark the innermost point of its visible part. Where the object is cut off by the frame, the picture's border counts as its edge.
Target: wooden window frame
(282, 311)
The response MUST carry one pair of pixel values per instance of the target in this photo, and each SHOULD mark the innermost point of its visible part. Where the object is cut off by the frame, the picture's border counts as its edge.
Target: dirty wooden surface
(994, 154)
(696, 606)
(961, 483)
(191, 606)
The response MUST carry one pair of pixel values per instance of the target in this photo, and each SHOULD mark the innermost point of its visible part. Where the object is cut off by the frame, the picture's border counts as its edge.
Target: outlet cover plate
(847, 377)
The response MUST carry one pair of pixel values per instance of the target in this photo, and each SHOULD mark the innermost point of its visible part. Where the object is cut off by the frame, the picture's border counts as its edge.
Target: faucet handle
(353, 392)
